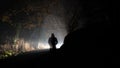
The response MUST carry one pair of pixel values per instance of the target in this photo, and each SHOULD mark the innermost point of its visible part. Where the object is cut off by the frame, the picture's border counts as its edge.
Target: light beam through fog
(33, 24)
(52, 24)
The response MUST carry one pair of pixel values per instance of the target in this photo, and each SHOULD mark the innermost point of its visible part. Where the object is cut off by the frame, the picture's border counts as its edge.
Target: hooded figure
(53, 41)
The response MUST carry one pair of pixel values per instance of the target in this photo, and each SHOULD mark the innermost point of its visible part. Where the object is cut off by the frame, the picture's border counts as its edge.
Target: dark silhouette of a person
(53, 42)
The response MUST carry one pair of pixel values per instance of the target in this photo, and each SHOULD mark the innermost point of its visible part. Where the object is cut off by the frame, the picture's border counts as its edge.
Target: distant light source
(52, 24)
(47, 46)
(43, 46)
(58, 45)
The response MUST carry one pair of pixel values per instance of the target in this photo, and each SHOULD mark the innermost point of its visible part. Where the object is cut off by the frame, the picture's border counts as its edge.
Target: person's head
(52, 35)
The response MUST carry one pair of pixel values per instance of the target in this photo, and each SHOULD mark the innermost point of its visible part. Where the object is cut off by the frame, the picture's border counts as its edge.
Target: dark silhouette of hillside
(89, 46)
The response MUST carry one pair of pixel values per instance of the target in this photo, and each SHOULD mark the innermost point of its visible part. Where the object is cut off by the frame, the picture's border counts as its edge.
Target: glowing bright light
(43, 46)
(47, 46)
(52, 24)
(58, 45)
(28, 47)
